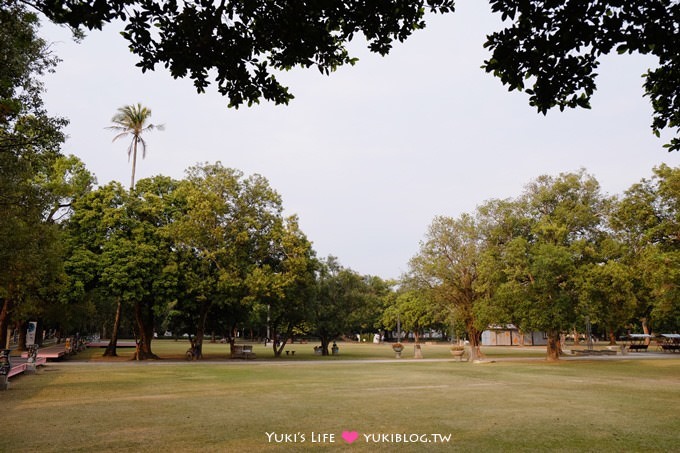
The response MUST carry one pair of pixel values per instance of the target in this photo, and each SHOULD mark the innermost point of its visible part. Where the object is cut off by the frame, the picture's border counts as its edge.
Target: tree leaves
(243, 44)
(557, 45)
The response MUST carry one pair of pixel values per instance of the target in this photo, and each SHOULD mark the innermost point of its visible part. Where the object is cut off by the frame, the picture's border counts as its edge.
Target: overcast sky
(368, 156)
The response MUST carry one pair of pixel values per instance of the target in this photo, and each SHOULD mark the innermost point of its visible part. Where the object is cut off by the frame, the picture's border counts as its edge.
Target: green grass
(218, 405)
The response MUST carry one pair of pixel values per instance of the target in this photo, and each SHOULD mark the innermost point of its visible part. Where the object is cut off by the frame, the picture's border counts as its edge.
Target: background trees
(565, 215)
(121, 251)
(559, 256)
(448, 266)
(646, 221)
(228, 228)
(37, 183)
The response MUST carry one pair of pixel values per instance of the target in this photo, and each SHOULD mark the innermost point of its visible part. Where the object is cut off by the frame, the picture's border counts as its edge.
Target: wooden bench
(670, 347)
(638, 347)
(54, 352)
(244, 351)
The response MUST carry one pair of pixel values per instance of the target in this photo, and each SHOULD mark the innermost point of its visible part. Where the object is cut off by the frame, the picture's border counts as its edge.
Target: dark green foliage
(243, 43)
(553, 47)
(37, 183)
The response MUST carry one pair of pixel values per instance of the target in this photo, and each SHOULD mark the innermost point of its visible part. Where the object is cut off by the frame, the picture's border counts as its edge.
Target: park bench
(244, 351)
(670, 342)
(638, 347)
(53, 352)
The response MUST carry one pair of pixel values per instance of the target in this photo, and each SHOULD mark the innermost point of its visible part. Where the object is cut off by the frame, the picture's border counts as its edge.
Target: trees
(646, 220)
(36, 181)
(243, 44)
(93, 231)
(226, 228)
(554, 48)
(143, 265)
(607, 295)
(447, 265)
(539, 264)
(550, 48)
(120, 251)
(132, 120)
(284, 291)
(415, 310)
(238, 256)
(340, 292)
(24, 58)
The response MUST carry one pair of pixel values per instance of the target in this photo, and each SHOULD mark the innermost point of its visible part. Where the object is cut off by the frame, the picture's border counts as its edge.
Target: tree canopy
(243, 44)
(549, 49)
(553, 47)
(37, 182)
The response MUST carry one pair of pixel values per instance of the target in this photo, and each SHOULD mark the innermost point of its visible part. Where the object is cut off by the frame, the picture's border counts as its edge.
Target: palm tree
(132, 120)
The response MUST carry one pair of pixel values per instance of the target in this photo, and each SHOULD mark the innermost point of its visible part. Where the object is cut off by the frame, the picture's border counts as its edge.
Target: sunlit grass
(623, 405)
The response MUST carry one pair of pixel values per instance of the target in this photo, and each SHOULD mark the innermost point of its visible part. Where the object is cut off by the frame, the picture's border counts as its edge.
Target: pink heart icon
(350, 436)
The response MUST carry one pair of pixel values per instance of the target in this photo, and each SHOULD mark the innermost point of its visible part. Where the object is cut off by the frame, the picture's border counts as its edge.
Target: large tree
(340, 293)
(416, 310)
(285, 289)
(537, 278)
(92, 231)
(227, 231)
(448, 266)
(120, 247)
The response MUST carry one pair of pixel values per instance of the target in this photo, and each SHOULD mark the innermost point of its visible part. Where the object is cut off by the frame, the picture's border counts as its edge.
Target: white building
(509, 335)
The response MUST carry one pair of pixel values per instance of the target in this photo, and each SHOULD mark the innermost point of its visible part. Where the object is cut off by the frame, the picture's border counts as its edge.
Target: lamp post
(398, 328)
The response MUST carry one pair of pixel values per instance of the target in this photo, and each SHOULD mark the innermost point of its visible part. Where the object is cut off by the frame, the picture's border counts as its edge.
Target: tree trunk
(475, 338)
(134, 162)
(4, 320)
(577, 340)
(200, 330)
(144, 320)
(39, 333)
(111, 348)
(21, 344)
(281, 340)
(612, 337)
(645, 330)
(325, 339)
(554, 350)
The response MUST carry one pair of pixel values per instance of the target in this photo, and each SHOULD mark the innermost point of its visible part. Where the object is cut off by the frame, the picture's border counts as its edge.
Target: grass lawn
(217, 405)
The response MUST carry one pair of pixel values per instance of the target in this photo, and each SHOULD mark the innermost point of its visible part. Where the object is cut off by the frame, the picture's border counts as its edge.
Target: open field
(519, 405)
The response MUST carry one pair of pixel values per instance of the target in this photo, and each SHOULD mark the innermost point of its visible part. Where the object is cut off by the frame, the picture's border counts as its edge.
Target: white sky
(368, 156)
